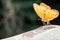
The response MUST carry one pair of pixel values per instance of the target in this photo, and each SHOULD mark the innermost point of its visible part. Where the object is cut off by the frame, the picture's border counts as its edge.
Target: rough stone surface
(48, 32)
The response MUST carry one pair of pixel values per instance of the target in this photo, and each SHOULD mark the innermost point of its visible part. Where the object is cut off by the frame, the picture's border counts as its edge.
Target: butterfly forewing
(38, 10)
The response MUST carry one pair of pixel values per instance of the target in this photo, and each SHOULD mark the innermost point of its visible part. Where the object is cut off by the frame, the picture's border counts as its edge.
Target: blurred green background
(18, 16)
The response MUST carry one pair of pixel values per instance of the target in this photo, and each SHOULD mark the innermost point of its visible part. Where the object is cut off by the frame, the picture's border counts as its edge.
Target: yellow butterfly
(45, 12)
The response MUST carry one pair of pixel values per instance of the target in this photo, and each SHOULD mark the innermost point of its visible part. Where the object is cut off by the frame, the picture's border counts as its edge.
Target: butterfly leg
(44, 23)
(48, 23)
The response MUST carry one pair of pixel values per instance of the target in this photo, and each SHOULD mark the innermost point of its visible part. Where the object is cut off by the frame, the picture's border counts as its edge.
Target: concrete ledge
(48, 32)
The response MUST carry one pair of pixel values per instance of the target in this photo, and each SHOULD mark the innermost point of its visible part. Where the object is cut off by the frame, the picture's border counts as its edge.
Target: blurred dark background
(18, 16)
